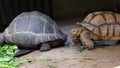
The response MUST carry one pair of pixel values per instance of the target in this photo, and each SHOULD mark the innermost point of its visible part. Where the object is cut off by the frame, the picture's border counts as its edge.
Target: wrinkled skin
(81, 36)
(75, 35)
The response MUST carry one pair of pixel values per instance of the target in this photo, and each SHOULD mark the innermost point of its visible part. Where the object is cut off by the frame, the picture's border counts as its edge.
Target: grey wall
(66, 8)
(9, 9)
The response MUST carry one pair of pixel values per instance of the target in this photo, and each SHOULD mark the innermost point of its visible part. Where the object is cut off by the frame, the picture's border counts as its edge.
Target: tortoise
(33, 30)
(97, 26)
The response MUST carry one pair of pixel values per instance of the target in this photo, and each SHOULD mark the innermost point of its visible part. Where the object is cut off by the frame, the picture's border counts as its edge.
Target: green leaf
(62, 59)
(5, 59)
(82, 48)
(90, 58)
(45, 59)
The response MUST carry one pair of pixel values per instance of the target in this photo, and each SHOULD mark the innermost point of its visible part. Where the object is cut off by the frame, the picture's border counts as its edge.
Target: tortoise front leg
(85, 39)
(45, 47)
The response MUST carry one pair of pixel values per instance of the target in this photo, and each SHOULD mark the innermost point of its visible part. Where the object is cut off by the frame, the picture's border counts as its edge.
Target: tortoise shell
(103, 24)
(32, 28)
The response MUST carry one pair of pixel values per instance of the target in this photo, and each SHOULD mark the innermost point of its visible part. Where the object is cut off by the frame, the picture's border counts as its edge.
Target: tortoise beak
(78, 23)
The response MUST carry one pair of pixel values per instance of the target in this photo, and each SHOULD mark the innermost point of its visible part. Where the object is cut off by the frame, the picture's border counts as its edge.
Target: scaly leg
(45, 47)
(85, 39)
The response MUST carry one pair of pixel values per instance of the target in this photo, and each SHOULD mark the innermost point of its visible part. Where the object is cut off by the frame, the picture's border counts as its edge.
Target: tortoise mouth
(78, 23)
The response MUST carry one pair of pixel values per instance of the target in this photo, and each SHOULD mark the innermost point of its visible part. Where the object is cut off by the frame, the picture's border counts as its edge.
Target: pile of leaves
(7, 53)
(7, 59)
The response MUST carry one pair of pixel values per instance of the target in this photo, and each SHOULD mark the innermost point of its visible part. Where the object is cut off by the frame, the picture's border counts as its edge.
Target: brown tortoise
(97, 26)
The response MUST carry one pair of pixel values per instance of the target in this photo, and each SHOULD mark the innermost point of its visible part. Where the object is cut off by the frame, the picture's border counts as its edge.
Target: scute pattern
(33, 28)
(103, 23)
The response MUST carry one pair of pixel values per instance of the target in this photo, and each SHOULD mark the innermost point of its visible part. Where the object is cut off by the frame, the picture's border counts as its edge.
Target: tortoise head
(2, 38)
(75, 35)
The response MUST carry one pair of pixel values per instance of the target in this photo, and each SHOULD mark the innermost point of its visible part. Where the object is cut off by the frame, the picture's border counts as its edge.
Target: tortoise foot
(45, 47)
(86, 40)
(89, 46)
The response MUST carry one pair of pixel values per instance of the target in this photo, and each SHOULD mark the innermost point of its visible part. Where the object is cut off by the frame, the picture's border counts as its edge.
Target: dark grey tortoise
(33, 30)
